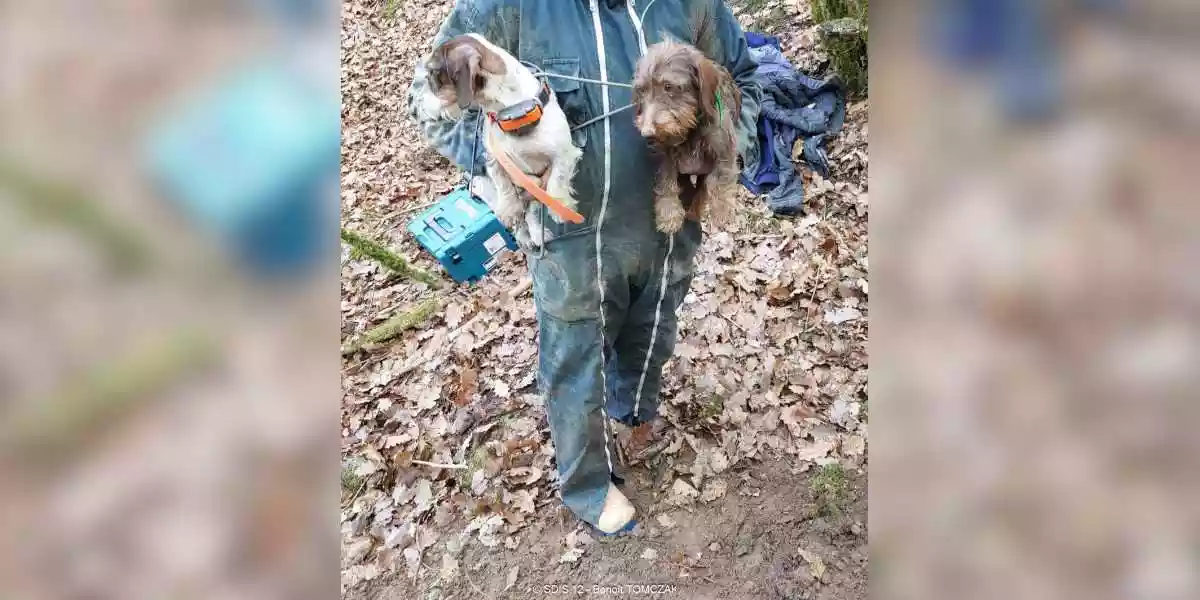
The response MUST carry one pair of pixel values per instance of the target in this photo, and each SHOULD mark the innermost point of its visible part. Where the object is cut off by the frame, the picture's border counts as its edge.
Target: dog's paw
(535, 236)
(669, 215)
(721, 211)
(524, 240)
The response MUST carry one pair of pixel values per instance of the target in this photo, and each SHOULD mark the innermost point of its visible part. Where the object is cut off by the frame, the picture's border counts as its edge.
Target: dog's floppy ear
(464, 69)
(489, 61)
(708, 81)
(467, 60)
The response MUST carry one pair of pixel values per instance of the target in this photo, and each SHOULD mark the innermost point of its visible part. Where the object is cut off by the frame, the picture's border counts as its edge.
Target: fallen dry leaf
(713, 490)
(449, 568)
(412, 558)
(468, 382)
(816, 566)
(841, 315)
(454, 315)
(811, 451)
(682, 493)
(571, 556)
(854, 445)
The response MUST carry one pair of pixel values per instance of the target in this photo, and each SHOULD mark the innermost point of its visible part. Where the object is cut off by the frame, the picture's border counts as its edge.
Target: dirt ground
(753, 543)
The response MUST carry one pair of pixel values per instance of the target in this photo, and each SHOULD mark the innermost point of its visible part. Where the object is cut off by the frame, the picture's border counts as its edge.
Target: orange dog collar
(522, 117)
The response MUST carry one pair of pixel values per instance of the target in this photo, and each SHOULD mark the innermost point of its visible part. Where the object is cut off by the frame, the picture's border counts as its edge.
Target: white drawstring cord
(538, 72)
(646, 10)
(601, 117)
(583, 79)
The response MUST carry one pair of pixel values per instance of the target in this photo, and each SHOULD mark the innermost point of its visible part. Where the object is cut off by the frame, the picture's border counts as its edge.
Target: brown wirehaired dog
(687, 106)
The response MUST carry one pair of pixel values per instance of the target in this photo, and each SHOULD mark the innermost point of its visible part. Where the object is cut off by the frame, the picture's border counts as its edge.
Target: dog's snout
(645, 121)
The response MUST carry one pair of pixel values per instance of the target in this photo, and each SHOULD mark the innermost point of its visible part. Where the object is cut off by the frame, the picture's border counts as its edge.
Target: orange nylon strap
(528, 184)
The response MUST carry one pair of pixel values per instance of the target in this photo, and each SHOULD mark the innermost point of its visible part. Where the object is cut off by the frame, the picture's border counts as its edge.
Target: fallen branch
(70, 206)
(518, 289)
(393, 327)
(387, 258)
(64, 420)
(651, 451)
(438, 465)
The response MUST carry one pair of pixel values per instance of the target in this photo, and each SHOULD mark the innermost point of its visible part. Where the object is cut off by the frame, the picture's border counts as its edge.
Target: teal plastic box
(253, 162)
(463, 234)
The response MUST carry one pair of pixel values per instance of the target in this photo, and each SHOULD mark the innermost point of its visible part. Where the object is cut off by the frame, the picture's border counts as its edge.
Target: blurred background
(1035, 337)
(168, 298)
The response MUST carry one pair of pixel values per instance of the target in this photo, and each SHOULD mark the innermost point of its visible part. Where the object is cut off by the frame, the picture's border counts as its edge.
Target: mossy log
(393, 327)
(72, 207)
(62, 420)
(374, 250)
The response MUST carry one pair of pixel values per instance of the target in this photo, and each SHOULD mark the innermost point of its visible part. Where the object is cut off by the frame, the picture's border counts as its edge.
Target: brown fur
(675, 89)
(457, 67)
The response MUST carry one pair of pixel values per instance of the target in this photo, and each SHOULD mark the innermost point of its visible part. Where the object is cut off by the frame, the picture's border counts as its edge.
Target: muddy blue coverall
(599, 364)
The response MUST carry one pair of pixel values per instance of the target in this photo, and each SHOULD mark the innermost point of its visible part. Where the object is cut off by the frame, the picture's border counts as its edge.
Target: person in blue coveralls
(606, 290)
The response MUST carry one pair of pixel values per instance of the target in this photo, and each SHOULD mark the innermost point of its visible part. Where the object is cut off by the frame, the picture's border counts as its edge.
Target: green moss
(843, 28)
(351, 480)
(362, 246)
(394, 326)
(827, 10)
(712, 408)
(476, 462)
(390, 8)
(107, 393)
(829, 490)
(73, 208)
(765, 15)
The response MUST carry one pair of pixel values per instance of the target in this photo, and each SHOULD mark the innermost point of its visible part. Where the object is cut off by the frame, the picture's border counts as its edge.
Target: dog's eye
(670, 88)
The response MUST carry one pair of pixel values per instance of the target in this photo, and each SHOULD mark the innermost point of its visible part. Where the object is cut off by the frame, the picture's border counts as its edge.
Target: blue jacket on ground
(794, 107)
(606, 289)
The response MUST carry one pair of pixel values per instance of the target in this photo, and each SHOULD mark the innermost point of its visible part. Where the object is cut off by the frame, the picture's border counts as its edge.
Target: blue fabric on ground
(794, 107)
(1012, 43)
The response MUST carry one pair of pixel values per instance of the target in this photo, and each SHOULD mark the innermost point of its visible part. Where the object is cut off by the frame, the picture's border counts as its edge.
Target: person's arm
(452, 138)
(735, 55)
